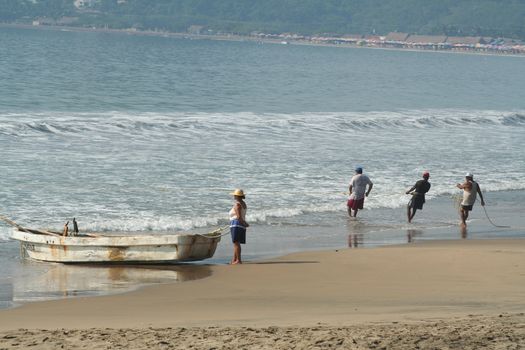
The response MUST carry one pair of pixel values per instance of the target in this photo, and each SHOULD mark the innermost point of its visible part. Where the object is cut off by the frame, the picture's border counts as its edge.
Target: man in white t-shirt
(358, 191)
(470, 191)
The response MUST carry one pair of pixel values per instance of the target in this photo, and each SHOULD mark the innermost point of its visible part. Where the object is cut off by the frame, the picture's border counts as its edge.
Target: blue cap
(358, 169)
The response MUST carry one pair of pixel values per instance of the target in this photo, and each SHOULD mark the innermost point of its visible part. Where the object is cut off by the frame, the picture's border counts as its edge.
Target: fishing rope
(215, 233)
(457, 201)
(457, 198)
(493, 224)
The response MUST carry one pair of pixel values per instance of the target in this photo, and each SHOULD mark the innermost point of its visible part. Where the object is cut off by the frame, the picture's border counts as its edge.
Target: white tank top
(234, 217)
(469, 197)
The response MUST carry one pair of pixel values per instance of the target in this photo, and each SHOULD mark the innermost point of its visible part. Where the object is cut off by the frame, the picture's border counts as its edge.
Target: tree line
(496, 18)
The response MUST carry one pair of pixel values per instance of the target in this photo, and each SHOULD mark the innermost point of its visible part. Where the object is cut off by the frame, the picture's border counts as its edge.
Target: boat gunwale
(114, 241)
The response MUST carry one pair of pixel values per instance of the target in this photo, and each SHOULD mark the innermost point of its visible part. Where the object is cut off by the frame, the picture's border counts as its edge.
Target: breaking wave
(309, 155)
(152, 124)
(5, 233)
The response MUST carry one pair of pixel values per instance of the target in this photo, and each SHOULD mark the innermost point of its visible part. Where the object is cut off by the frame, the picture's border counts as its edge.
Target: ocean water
(151, 134)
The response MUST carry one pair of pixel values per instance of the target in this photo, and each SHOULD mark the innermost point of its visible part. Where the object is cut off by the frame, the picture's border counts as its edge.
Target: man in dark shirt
(418, 196)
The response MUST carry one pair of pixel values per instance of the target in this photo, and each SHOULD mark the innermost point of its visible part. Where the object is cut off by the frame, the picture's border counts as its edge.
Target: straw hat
(238, 193)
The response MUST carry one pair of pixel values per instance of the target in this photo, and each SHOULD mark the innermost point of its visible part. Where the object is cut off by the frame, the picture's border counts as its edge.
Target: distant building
(79, 4)
(511, 42)
(426, 39)
(44, 21)
(64, 21)
(398, 37)
(373, 38)
(352, 37)
(195, 29)
(465, 40)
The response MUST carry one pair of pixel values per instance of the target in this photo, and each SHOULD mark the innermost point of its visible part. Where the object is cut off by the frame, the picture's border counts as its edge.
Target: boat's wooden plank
(41, 232)
(12, 223)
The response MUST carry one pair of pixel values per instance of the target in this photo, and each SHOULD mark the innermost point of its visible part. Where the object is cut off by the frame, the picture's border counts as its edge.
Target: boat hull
(165, 248)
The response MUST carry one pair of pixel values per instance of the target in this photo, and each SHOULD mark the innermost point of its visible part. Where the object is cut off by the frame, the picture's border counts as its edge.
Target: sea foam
(158, 124)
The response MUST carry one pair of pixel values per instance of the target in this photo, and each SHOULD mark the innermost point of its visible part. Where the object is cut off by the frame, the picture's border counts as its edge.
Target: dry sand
(433, 295)
(498, 332)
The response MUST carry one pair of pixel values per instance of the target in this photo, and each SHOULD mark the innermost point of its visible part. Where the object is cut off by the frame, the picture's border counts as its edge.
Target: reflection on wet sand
(463, 231)
(76, 280)
(355, 240)
(411, 234)
(355, 233)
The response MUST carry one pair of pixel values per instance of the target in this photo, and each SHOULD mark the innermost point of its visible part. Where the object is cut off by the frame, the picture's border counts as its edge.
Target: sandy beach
(438, 294)
(136, 132)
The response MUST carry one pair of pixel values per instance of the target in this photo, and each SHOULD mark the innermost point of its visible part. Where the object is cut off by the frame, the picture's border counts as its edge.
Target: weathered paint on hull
(117, 249)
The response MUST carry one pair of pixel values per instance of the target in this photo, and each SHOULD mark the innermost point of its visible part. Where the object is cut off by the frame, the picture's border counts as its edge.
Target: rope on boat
(215, 233)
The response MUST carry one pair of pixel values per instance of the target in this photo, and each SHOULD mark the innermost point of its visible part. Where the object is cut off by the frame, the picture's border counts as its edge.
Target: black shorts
(416, 202)
(467, 207)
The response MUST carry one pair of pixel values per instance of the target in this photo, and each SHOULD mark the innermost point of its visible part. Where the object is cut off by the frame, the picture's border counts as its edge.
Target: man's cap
(358, 169)
(426, 173)
(469, 175)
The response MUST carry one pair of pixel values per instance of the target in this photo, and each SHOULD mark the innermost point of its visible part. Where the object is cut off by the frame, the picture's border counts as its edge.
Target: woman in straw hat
(238, 224)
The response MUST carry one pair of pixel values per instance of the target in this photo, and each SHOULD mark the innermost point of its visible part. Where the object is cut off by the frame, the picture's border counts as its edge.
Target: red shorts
(356, 203)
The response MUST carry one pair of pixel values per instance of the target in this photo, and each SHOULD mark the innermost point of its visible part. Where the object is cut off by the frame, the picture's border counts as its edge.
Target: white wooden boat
(52, 246)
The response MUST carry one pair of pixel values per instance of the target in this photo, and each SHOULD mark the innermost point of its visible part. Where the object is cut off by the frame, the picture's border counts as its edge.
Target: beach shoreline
(34, 281)
(396, 295)
(133, 134)
(243, 38)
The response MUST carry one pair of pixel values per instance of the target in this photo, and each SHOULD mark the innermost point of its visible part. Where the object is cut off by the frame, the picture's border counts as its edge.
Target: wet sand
(437, 294)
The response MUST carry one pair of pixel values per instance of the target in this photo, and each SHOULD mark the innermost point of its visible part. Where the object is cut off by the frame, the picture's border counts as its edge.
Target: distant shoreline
(240, 38)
